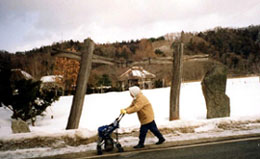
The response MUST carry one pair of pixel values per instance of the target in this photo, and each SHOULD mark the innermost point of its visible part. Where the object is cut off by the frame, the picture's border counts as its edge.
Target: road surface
(248, 148)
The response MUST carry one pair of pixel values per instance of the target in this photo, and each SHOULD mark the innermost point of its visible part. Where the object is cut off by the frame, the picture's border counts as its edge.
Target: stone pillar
(214, 88)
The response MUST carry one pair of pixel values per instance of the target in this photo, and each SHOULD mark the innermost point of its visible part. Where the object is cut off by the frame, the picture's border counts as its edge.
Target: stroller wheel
(99, 150)
(120, 148)
(109, 144)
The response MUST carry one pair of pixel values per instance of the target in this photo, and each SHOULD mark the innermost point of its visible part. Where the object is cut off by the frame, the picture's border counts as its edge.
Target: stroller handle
(120, 117)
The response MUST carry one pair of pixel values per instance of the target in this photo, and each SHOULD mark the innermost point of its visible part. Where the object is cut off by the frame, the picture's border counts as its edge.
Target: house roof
(136, 73)
(18, 74)
(50, 78)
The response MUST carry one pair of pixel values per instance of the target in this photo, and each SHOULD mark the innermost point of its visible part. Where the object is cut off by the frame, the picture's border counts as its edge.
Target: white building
(137, 76)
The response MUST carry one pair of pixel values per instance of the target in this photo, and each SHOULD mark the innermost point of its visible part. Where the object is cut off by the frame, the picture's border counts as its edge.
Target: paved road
(233, 149)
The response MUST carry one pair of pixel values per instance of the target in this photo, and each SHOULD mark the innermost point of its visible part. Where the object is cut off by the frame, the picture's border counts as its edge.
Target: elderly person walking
(143, 107)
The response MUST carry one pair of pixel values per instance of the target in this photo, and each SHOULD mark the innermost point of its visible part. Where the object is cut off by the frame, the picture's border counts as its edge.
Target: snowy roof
(50, 78)
(136, 73)
(22, 73)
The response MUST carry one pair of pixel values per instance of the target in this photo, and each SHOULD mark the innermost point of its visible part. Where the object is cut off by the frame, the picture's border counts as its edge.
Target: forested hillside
(237, 48)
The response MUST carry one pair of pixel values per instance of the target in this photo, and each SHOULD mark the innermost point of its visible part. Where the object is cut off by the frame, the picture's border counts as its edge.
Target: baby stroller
(104, 133)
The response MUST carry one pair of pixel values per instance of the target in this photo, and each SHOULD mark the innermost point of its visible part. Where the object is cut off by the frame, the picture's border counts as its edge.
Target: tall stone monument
(214, 88)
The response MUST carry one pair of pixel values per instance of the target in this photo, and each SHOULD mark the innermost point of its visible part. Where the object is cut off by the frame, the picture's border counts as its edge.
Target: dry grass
(54, 142)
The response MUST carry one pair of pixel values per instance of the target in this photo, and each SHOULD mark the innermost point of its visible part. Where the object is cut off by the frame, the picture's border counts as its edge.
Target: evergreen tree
(104, 81)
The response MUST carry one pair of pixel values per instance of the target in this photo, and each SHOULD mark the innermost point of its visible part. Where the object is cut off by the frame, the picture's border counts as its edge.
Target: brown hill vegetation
(238, 49)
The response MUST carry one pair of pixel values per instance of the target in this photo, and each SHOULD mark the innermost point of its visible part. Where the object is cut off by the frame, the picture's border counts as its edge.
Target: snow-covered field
(102, 109)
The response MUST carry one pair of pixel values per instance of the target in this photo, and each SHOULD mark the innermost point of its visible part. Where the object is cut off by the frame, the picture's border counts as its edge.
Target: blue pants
(144, 129)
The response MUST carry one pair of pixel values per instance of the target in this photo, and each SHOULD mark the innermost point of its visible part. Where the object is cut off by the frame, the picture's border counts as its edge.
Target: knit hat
(134, 91)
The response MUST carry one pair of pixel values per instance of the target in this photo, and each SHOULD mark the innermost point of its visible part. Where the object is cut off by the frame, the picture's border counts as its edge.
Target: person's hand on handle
(122, 111)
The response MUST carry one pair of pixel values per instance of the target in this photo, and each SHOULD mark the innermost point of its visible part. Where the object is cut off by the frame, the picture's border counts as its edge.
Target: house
(137, 76)
(53, 81)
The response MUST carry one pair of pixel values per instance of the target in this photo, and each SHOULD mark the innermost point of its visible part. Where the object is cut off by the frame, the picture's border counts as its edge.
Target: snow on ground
(102, 109)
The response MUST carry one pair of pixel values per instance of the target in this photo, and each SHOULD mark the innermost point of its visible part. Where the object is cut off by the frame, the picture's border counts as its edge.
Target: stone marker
(214, 88)
(19, 126)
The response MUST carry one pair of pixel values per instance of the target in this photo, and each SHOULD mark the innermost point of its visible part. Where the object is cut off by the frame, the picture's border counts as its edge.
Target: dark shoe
(139, 146)
(160, 141)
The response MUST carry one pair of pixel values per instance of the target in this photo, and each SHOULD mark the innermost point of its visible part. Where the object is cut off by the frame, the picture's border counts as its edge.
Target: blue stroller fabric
(106, 130)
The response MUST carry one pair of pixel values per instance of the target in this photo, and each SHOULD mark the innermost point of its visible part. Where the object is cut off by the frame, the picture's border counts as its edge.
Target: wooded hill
(237, 48)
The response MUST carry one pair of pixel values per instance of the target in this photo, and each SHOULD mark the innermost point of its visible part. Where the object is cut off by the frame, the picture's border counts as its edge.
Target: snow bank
(102, 109)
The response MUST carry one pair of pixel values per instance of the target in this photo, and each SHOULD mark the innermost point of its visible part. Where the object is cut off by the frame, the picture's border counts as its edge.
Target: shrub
(158, 52)
(26, 98)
